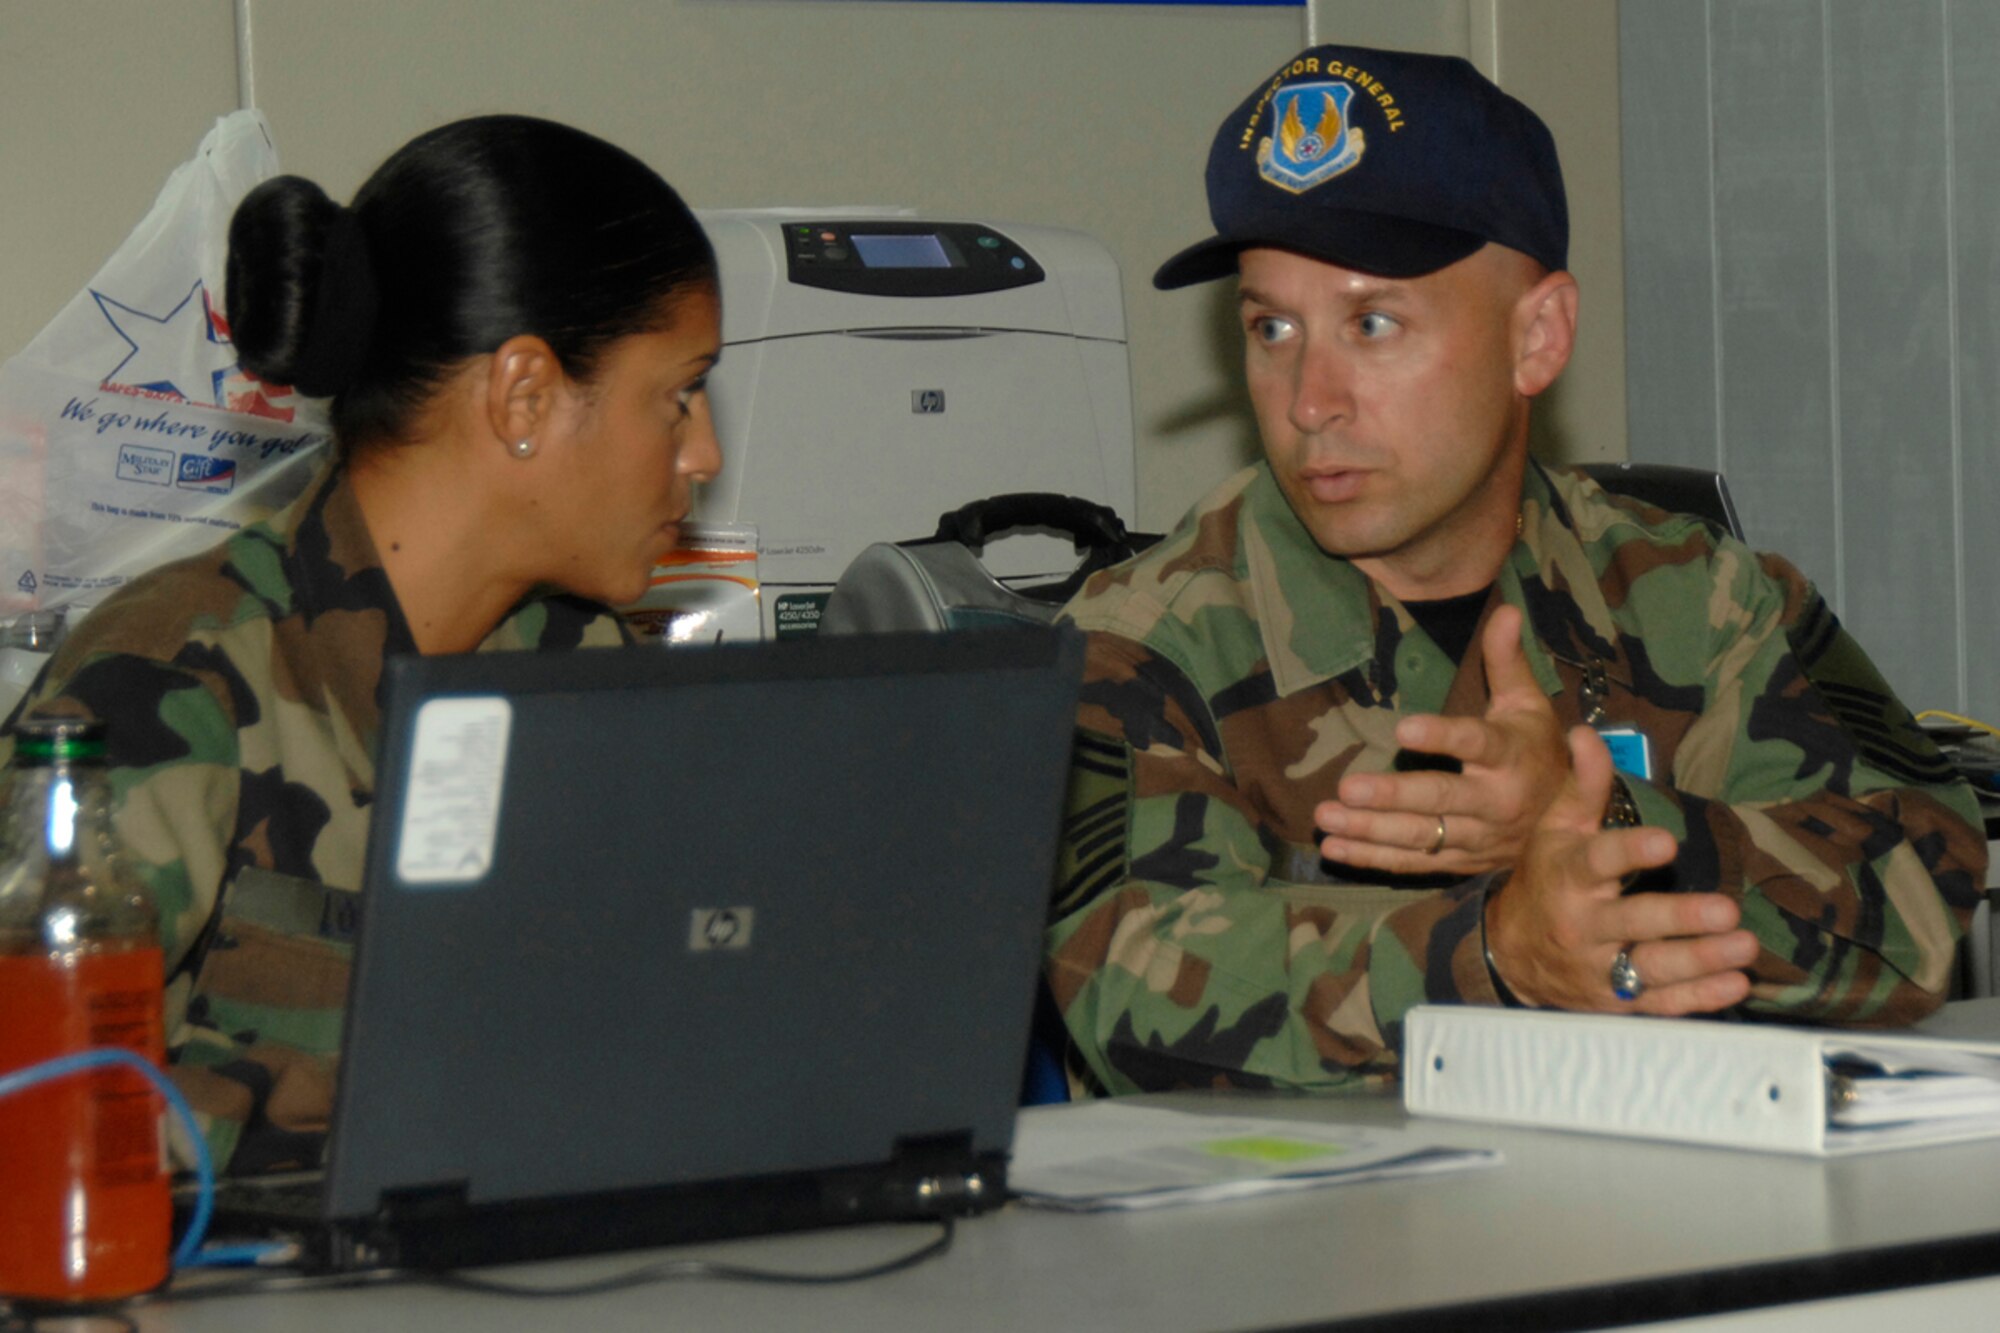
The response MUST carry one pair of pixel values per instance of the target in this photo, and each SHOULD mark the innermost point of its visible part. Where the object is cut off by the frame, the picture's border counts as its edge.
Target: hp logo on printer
(712, 928)
(927, 402)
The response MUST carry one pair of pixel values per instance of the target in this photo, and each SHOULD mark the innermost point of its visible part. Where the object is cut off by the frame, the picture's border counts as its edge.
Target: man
(1347, 734)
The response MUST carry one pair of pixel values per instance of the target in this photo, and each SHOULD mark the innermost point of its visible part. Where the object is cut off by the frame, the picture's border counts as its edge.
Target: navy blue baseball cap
(1386, 162)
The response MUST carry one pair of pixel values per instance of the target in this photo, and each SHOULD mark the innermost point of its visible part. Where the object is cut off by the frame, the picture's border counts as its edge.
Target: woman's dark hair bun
(301, 296)
(468, 235)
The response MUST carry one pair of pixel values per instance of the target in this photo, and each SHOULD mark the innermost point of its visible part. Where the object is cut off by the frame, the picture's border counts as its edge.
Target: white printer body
(880, 369)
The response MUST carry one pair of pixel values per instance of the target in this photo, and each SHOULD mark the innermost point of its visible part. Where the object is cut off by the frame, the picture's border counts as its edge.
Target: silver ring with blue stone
(1626, 983)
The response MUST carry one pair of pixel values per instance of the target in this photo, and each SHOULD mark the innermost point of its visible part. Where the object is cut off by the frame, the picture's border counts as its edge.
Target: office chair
(1679, 490)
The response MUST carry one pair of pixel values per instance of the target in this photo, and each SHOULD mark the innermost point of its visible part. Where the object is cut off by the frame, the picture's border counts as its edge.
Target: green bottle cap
(54, 740)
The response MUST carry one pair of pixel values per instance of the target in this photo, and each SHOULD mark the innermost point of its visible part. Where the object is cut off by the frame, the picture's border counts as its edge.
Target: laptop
(677, 944)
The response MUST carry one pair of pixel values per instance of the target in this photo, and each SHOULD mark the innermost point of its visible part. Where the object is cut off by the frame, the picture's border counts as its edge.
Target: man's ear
(1545, 325)
(523, 380)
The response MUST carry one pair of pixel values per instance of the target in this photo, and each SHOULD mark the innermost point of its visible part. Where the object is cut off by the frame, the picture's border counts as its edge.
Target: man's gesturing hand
(1513, 761)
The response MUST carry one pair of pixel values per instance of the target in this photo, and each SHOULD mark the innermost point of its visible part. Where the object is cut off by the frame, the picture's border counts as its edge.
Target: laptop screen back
(640, 917)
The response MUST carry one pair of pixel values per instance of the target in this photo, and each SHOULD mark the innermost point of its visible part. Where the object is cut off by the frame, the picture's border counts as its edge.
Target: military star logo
(159, 346)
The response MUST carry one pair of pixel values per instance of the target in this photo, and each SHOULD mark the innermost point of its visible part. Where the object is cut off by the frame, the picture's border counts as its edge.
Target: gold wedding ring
(1437, 843)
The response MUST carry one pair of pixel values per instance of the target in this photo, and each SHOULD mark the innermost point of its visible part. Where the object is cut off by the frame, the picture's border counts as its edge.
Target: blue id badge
(1631, 753)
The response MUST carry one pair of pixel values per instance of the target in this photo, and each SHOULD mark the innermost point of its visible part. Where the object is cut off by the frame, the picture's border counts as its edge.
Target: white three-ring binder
(1816, 1091)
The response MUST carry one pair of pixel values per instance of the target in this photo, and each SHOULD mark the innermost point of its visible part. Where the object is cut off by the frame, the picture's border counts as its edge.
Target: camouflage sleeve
(1178, 959)
(1808, 791)
(172, 752)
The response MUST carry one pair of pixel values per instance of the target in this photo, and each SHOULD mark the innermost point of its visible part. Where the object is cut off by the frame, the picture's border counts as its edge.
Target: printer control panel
(898, 257)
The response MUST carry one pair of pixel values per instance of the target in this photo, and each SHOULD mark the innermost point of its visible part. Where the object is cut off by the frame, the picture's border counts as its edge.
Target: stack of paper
(1113, 1155)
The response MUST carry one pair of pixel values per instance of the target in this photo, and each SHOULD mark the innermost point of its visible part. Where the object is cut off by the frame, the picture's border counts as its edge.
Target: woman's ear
(1546, 319)
(523, 380)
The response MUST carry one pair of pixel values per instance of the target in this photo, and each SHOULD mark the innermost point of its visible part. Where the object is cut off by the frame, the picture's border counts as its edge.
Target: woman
(513, 320)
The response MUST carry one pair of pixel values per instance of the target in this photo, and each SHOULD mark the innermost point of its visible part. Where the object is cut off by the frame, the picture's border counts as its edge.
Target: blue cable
(249, 1254)
(188, 1253)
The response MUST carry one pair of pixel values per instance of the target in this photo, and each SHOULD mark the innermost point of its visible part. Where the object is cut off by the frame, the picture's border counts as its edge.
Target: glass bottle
(25, 645)
(85, 1213)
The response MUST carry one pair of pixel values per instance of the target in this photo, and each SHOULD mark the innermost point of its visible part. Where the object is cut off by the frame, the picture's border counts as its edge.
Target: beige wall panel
(1561, 58)
(1442, 27)
(1095, 117)
(99, 100)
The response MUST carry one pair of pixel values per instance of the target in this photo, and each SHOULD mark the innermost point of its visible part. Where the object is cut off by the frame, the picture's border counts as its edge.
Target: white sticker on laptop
(451, 797)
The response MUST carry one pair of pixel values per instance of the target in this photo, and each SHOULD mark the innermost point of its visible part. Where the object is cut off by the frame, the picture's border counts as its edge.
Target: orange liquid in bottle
(85, 1213)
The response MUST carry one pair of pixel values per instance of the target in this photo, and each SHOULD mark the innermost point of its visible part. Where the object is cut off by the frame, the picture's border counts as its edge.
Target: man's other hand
(1562, 918)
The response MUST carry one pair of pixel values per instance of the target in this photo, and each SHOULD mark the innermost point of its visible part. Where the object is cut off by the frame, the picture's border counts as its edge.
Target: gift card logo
(204, 472)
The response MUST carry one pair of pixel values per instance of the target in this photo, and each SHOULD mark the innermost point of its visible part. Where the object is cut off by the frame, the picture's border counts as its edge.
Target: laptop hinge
(944, 1176)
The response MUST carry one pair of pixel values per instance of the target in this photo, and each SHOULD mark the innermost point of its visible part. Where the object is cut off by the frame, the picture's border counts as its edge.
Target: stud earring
(523, 447)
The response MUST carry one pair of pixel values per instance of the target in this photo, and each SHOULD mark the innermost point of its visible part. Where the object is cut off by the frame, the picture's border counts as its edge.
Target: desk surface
(1571, 1230)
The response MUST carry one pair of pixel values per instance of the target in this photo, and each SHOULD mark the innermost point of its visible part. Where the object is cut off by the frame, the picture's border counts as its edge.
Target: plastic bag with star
(129, 436)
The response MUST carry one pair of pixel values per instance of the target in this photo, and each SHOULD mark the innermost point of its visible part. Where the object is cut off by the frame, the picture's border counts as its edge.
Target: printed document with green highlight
(1114, 1155)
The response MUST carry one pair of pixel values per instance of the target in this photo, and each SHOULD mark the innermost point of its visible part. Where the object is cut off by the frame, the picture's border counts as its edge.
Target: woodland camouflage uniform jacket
(1236, 672)
(239, 689)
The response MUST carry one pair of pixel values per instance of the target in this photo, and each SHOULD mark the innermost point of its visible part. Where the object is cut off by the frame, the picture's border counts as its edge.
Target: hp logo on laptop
(927, 402)
(712, 928)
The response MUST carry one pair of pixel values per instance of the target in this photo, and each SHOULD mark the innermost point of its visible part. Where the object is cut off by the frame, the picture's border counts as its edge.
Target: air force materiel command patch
(1314, 141)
